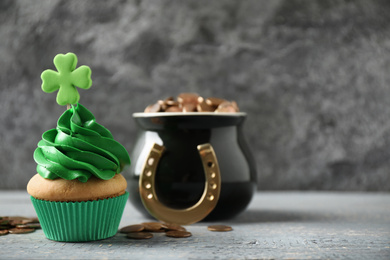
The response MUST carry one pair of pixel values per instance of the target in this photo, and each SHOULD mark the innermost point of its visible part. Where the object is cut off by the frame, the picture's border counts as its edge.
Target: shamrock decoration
(66, 79)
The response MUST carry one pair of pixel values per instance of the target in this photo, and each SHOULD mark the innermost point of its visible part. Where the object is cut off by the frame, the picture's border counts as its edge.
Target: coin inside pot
(170, 174)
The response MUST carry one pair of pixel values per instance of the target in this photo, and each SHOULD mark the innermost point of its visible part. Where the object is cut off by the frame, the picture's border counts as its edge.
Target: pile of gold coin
(18, 225)
(145, 230)
(192, 102)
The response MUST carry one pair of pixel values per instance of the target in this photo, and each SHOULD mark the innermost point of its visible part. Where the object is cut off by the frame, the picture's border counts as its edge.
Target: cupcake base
(80, 221)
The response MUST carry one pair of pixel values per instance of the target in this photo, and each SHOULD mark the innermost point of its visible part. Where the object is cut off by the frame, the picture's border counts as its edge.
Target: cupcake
(78, 192)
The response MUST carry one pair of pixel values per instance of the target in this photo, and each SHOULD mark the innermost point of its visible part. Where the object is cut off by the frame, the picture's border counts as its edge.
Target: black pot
(181, 173)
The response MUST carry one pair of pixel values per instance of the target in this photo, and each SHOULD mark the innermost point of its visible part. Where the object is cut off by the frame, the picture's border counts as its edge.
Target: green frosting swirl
(79, 148)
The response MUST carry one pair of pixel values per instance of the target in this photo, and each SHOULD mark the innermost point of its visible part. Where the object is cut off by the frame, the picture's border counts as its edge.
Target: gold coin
(174, 109)
(139, 235)
(204, 107)
(17, 219)
(226, 107)
(3, 232)
(163, 105)
(171, 102)
(234, 104)
(4, 222)
(153, 108)
(220, 228)
(178, 234)
(153, 226)
(16, 222)
(21, 230)
(192, 102)
(132, 228)
(189, 107)
(5, 227)
(187, 98)
(31, 225)
(173, 227)
(30, 220)
(214, 102)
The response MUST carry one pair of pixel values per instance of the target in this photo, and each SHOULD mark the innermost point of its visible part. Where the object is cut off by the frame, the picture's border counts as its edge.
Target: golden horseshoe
(190, 215)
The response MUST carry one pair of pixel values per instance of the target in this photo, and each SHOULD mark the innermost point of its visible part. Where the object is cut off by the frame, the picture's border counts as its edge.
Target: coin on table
(5, 227)
(30, 220)
(132, 228)
(15, 222)
(153, 226)
(4, 222)
(178, 234)
(139, 235)
(17, 219)
(3, 232)
(21, 230)
(220, 228)
(173, 227)
(30, 225)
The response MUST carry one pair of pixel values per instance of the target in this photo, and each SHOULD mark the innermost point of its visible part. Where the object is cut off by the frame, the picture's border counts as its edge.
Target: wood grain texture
(277, 225)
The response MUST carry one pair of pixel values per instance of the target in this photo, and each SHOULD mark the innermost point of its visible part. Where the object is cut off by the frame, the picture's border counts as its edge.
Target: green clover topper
(66, 79)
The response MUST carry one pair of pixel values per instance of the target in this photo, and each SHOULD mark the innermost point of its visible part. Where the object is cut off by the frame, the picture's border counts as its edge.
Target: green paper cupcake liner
(80, 221)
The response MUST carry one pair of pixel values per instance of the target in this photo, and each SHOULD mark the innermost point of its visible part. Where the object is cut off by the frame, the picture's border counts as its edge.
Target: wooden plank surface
(277, 225)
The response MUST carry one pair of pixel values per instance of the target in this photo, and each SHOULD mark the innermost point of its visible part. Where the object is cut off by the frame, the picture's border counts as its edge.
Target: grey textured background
(313, 77)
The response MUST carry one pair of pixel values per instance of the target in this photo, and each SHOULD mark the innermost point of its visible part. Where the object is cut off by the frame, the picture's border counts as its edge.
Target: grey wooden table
(277, 225)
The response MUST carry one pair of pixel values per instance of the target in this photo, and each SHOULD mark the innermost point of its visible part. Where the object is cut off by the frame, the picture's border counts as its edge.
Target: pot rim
(191, 114)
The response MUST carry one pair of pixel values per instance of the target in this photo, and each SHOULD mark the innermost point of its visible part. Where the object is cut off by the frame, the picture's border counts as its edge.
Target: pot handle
(190, 215)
